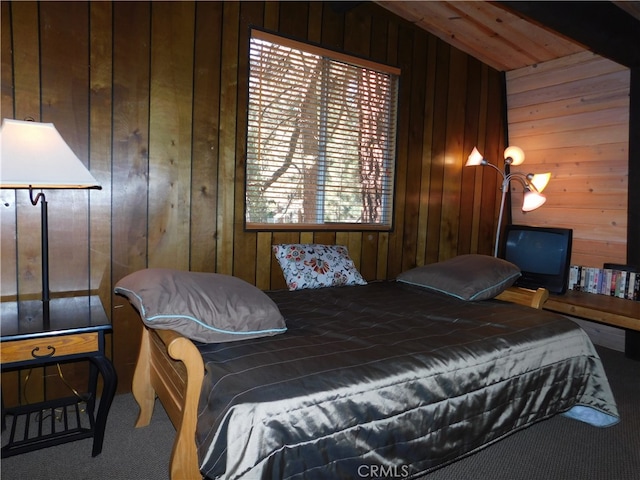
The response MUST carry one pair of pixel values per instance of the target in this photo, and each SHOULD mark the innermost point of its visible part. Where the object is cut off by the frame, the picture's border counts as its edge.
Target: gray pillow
(468, 277)
(205, 307)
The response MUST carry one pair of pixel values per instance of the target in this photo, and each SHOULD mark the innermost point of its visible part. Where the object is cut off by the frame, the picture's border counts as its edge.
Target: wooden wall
(571, 117)
(152, 96)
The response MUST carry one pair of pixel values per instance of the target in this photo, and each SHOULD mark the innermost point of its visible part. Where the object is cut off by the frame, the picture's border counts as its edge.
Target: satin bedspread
(387, 378)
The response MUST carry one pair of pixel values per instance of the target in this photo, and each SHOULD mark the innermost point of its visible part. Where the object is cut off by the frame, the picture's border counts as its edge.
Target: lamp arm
(39, 196)
(488, 164)
(522, 178)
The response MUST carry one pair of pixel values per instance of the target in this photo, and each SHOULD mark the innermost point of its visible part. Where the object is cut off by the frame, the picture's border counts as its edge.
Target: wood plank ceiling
(498, 35)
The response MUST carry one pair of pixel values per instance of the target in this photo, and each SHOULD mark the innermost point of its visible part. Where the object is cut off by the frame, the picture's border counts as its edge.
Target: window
(320, 140)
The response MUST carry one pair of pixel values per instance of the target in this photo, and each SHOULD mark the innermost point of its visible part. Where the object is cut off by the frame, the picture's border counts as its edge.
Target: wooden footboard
(170, 366)
(524, 296)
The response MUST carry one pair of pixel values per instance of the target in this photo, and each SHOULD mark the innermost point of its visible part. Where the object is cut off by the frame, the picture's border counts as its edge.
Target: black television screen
(543, 255)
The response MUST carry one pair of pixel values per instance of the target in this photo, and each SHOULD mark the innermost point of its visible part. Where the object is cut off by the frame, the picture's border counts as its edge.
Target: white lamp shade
(516, 154)
(532, 200)
(475, 158)
(34, 155)
(540, 181)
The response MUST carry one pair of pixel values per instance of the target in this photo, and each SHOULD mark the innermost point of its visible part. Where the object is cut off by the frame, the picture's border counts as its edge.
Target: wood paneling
(486, 30)
(153, 97)
(602, 27)
(129, 214)
(100, 148)
(170, 133)
(513, 35)
(206, 121)
(571, 117)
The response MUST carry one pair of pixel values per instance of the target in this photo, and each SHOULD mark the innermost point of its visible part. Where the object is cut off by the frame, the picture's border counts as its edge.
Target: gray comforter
(388, 378)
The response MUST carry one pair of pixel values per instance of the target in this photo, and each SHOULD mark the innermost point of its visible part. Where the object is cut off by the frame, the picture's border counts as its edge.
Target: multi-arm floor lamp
(533, 184)
(35, 157)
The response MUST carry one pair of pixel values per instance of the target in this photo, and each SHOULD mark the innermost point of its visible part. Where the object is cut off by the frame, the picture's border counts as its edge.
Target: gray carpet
(556, 449)
(128, 453)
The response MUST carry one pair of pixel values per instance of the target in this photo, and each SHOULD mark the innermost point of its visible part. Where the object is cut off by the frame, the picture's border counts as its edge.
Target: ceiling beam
(602, 27)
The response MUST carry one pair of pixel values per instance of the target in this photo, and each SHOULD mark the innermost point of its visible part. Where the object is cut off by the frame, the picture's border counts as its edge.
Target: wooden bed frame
(171, 368)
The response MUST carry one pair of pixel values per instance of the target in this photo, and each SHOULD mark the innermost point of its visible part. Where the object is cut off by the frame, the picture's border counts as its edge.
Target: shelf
(47, 424)
(618, 312)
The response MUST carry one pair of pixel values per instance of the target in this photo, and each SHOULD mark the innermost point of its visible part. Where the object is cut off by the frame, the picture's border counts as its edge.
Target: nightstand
(73, 330)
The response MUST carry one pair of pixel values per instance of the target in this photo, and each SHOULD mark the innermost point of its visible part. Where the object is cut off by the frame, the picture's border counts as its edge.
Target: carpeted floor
(556, 449)
(128, 453)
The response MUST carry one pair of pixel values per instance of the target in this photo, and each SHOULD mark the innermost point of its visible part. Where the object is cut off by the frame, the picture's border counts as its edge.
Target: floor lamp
(533, 184)
(34, 156)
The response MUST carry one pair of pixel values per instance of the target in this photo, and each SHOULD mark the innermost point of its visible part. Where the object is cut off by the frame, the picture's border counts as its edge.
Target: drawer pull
(50, 354)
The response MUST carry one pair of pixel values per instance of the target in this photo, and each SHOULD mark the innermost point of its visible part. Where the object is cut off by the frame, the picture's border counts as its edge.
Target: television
(543, 255)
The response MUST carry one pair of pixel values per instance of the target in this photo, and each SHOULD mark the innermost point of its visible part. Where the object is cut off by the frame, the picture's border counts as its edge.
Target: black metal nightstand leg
(110, 381)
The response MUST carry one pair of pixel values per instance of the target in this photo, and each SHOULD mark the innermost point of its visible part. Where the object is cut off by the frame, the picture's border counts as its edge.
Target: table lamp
(34, 156)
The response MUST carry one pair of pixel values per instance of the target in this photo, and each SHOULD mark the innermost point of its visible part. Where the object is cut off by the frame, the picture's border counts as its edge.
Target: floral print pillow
(316, 266)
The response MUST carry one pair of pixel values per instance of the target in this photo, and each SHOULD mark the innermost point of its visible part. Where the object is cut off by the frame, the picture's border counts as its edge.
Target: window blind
(321, 138)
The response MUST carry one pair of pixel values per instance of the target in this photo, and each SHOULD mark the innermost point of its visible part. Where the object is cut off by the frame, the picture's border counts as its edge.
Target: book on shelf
(615, 282)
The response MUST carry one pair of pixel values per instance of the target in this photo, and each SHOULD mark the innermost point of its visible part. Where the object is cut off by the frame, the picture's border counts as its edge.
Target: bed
(385, 374)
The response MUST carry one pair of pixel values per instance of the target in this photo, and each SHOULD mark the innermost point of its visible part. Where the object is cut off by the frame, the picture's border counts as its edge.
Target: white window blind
(321, 138)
